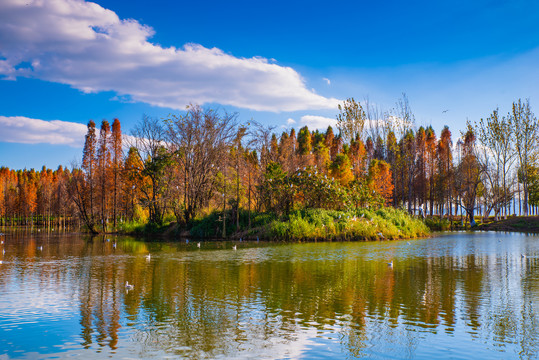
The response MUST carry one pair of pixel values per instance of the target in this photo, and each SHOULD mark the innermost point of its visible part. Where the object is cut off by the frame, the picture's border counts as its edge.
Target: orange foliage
(380, 179)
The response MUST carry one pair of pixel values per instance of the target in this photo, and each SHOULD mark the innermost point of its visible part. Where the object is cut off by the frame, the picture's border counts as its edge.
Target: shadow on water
(452, 295)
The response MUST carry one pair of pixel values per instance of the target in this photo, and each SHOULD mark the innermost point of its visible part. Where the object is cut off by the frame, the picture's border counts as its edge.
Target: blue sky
(63, 62)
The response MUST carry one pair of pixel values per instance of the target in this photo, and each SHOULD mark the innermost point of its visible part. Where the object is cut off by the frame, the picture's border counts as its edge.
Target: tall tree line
(205, 160)
(40, 198)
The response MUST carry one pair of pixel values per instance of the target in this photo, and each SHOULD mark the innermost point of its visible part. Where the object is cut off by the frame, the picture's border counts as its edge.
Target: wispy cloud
(20, 129)
(327, 81)
(90, 48)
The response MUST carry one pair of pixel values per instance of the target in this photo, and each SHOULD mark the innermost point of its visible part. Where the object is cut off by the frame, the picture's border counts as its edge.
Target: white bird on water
(234, 247)
(390, 264)
(40, 248)
(148, 257)
(128, 286)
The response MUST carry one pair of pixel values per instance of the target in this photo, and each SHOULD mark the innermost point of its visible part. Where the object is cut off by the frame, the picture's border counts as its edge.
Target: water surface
(455, 296)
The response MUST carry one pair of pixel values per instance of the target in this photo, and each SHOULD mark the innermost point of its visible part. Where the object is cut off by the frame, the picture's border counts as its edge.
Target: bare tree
(495, 135)
(404, 122)
(526, 130)
(200, 141)
(469, 172)
(148, 139)
(403, 119)
(263, 142)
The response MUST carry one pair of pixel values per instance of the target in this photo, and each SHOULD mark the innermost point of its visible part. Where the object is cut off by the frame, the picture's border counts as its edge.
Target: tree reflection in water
(455, 293)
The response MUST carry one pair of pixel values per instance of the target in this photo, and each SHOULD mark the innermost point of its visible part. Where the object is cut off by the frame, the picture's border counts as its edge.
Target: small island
(204, 174)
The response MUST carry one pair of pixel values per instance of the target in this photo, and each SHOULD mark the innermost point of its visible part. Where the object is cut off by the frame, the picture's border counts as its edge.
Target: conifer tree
(117, 158)
(89, 165)
(104, 171)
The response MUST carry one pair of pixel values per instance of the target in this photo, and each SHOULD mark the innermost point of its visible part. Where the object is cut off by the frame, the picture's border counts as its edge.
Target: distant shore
(527, 224)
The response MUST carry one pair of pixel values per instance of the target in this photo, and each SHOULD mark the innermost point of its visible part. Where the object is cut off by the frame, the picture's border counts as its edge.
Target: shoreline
(311, 225)
(521, 224)
(172, 231)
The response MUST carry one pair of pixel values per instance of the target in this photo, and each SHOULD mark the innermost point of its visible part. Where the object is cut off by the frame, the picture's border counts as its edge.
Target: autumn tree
(430, 162)
(420, 182)
(357, 156)
(82, 182)
(132, 181)
(305, 147)
(393, 158)
(104, 171)
(341, 169)
(380, 180)
(117, 162)
(444, 157)
(88, 182)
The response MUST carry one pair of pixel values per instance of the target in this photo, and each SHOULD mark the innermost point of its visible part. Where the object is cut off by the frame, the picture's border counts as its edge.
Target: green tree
(341, 169)
(304, 141)
(351, 119)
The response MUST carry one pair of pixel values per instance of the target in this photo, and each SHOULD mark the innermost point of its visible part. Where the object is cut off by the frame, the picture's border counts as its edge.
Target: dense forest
(205, 161)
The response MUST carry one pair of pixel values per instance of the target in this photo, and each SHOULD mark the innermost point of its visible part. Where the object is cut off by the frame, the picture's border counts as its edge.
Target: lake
(458, 296)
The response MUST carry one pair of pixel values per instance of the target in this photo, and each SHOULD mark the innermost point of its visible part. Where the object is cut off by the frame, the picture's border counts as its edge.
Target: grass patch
(300, 225)
(364, 224)
(140, 228)
(437, 224)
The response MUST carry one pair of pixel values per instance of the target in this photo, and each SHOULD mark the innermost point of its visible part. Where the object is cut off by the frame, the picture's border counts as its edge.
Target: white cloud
(327, 81)
(20, 129)
(290, 121)
(318, 122)
(90, 48)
